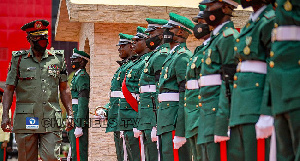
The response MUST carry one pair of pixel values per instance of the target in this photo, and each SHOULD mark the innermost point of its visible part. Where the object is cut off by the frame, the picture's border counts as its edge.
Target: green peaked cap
(200, 14)
(154, 24)
(80, 54)
(202, 7)
(235, 3)
(141, 33)
(177, 20)
(125, 36)
(124, 39)
(156, 21)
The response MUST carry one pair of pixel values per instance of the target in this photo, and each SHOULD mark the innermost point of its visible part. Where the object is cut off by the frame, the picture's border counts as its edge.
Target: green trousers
(2, 153)
(287, 127)
(119, 146)
(151, 151)
(132, 146)
(196, 150)
(46, 144)
(243, 144)
(210, 151)
(83, 144)
(166, 149)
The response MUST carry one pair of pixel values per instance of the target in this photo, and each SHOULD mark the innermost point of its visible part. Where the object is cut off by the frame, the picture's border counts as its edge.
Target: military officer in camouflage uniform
(128, 111)
(251, 49)
(217, 54)
(284, 79)
(36, 75)
(201, 31)
(80, 90)
(126, 52)
(170, 118)
(148, 85)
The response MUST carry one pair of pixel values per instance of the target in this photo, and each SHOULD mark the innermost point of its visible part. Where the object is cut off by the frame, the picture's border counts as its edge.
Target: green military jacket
(128, 118)
(153, 64)
(191, 99)
(248, 88)
(284, 62)
(214, 111)
(170, 115)
(80, 82)
(37, 89)
(116, 84)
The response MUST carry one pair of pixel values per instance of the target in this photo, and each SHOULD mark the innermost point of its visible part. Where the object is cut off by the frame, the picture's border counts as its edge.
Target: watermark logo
(32, 122)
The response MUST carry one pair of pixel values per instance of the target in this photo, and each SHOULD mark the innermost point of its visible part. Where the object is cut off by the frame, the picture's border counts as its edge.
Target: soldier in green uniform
(148, 85)
(192, 97)
(36, 75)
(284, 79)
(80, 90)
(217, 54)
(126, 53)
(170, 118)
(128, 116)
(251, 49)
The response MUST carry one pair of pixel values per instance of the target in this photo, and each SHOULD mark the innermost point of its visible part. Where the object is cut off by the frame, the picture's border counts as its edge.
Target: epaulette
(164, 50)
(82, 72)
(182, 50)
(270, 14)
(55, 52)
(59, 52)
(228, 32)
(18, 53)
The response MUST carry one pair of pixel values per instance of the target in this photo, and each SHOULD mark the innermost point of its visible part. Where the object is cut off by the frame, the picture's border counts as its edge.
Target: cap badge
(38, 25)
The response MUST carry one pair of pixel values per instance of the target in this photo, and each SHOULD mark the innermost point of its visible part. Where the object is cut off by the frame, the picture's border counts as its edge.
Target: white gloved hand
(78, 132)
(121, 134)
(136, 132)
(154, 137)
(97, 117)
(101, 113)
(178, 141)
(218, 139)
(264, 126)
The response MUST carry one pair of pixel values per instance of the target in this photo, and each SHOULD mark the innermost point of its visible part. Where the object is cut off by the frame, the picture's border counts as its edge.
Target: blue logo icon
(32, 122)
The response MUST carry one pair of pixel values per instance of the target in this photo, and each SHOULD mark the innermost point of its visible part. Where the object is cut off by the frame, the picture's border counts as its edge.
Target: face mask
(75, 65)
(248, 3)
(200, 30)
(168, 36)
(153, 42)
(213, 18)
(40, 45)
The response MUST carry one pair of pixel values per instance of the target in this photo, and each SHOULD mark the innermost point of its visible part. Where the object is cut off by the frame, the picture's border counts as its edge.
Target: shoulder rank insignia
(228, 32)
(270, 14)
(18, 53)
